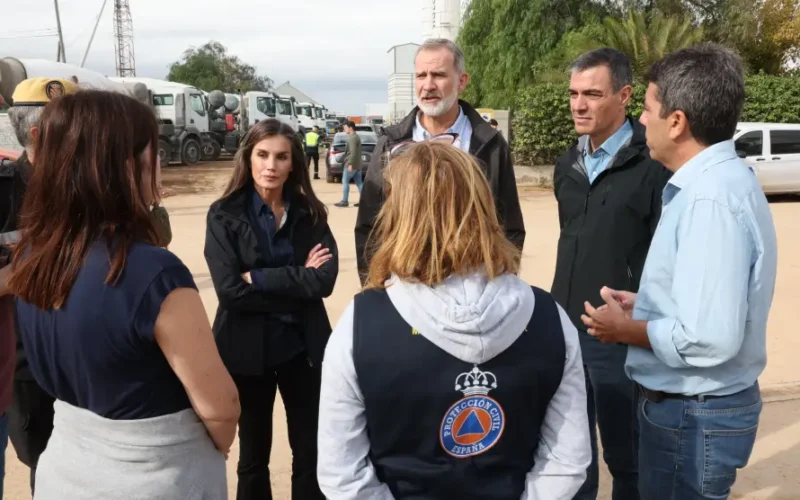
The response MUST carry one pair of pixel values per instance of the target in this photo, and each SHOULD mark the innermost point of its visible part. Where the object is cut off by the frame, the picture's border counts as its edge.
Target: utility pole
(94, 31)
(62, 56)
(123, 33)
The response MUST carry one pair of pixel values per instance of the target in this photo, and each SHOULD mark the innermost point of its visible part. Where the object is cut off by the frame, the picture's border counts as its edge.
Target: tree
(767, 36)
(503, 39)
(211, 67)
(645, 42)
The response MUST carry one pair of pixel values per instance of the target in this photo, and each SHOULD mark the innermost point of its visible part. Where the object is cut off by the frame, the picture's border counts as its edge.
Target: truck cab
(306, 114)
(319, 116)
(260, 106)
(182, 112)
(287, 112)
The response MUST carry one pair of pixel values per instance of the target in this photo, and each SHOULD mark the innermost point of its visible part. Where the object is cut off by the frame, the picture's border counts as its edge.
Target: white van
(772, 150)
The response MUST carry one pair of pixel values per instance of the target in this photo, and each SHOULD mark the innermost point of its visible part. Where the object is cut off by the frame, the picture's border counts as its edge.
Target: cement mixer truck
(13, 71)
(183, 114)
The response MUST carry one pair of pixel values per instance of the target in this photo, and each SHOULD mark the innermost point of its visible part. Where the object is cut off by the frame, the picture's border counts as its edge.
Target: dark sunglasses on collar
(448, 138)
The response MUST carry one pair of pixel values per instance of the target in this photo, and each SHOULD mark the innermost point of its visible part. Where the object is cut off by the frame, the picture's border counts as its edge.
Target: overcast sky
(333, 50)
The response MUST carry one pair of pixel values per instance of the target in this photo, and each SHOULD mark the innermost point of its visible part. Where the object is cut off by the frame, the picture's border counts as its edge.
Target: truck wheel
(190, 152)
(217, 151)
(211, 151)
(164, 152)
(330, 179)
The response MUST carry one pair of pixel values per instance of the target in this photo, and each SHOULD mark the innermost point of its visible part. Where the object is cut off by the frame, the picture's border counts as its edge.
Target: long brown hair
(299, 181)
(439, 219)
(90, 181)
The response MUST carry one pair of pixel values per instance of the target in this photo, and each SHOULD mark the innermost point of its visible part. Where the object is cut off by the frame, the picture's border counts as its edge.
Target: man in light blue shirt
(598, 160)
(697, 328)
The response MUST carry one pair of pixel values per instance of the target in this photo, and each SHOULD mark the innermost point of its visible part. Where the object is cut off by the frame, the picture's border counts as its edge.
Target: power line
(18, 37)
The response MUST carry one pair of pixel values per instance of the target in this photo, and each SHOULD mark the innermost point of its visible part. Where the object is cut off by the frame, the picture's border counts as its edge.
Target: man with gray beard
(440, 78)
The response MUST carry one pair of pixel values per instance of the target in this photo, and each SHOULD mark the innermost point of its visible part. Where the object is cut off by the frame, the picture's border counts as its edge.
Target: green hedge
(543, 130)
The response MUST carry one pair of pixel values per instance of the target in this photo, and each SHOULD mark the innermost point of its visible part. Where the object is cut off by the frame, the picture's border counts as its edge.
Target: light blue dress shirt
(708, 281)
(462, 127)
(599, 160)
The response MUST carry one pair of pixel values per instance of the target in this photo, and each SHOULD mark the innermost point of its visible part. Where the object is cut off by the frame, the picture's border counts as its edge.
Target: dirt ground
(774, 470)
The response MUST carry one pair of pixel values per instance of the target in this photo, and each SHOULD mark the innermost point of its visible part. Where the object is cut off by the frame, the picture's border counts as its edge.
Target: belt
(659, 396)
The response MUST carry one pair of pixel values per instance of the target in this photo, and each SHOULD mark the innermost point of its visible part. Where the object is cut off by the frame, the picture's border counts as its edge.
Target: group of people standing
(447, 376)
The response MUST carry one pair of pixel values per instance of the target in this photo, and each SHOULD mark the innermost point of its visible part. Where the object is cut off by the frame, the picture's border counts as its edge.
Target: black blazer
(232, 249)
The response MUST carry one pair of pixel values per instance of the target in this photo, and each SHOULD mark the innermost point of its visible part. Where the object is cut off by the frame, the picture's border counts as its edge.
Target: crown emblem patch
(475, 423)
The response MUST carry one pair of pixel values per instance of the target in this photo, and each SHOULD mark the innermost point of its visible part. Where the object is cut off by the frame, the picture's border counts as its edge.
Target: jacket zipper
(630, 277)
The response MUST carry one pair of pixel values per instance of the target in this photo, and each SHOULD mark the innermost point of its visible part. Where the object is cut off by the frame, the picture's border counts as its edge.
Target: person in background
(441, 77)
(112, 324)
(608, 191)
(450, 377)
(697, 328)
(30, 418)
(311, 142)
(273, 259)
(351, 163)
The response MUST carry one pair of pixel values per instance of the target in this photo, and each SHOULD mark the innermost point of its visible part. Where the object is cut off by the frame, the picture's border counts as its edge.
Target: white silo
(442, 18)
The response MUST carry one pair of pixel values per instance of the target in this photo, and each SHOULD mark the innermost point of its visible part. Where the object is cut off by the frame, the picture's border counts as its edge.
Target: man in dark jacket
(609, 203)
(440, 78)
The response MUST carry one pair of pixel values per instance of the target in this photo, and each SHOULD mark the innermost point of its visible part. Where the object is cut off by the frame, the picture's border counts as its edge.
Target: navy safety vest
(442, 428)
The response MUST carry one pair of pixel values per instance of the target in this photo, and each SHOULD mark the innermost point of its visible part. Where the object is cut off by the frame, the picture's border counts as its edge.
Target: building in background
(442, 18)
(288, 89)
(401, 81)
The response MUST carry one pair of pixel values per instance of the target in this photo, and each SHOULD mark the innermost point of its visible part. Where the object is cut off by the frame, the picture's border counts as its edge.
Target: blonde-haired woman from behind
(448, 376)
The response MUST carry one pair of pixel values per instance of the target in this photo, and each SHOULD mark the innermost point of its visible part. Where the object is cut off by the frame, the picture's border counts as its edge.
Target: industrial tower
(123, 32)
(442, 18)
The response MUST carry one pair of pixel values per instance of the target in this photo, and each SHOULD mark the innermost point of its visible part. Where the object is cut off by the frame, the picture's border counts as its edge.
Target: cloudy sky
(333, 50)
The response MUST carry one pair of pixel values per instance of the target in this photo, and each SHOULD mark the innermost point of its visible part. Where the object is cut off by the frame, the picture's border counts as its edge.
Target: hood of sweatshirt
(471, 317)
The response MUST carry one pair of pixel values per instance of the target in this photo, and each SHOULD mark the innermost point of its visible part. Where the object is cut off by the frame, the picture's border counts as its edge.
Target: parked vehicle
(335, 155)
(287, 113)
(772, 150)
(365, 128)
(306, 114)
(183, 120)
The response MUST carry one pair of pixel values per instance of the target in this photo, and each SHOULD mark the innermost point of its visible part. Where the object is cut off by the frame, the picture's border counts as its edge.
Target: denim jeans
(691, 449)
(612, 400)
(3, 445)
(346, 176)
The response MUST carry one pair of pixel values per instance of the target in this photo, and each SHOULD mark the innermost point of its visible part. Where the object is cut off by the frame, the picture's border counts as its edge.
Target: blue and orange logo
(475, 423)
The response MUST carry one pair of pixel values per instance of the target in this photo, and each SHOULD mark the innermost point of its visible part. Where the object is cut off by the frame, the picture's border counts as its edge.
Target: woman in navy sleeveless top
(112, 323)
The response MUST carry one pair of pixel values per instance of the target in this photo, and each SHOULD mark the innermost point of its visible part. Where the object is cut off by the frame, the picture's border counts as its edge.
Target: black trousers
(30, 423)
(299, 383)
(313, 155)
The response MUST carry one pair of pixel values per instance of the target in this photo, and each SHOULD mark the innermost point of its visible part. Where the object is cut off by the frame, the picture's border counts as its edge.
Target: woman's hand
(318, 256)
(246, 276)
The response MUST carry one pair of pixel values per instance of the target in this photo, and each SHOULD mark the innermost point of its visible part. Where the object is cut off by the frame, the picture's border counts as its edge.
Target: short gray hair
(706, 82)
(618, 64)
(444, 43)
(23, 119)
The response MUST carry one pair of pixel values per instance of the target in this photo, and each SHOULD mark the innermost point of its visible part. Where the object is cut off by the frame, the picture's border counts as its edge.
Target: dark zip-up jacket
(232, 248)
(487, 145)
(607, 226)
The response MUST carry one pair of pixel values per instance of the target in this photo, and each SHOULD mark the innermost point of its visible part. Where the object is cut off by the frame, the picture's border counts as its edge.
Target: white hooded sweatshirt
(474, 319)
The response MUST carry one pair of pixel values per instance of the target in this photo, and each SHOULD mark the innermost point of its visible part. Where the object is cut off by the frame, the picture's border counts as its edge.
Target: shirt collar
(457, 128)
(722, 151)
(259, 206)
(615, 143)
